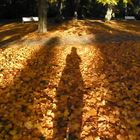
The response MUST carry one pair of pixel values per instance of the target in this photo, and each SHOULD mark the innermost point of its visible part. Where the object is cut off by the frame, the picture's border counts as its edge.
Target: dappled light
(102, 30)
(17, 109)
(84, 27)
(14, 31)
(117, 89)
(79, 81)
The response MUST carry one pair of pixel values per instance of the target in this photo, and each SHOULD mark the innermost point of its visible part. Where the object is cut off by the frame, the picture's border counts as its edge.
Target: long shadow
(131, 25)
(108, 28)
(69, 100)
(117, 83)
(119, 72)
(18, 115)
(13, 31)
(110, 34)
(61, 25)
(10, 33)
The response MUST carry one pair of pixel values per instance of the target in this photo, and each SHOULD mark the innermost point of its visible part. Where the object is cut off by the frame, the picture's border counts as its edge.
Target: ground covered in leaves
(80, 81)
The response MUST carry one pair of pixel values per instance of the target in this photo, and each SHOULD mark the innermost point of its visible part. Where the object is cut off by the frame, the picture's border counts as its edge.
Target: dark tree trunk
(60, 6)
(81, 8)
(126, 12)
(42, 14)
(70, 8)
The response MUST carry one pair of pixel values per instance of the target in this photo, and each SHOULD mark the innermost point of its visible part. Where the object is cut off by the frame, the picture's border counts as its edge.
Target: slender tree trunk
(70, 8)
(109, 13)
(42, 14)
(60, 6)
(76, 7)
(80, 8)
(126, 10)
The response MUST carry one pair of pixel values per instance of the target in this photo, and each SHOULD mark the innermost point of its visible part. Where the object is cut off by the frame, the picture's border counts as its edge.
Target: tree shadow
(18, 113)
(113, 31)
(105, 32)
(61, 25)
(118, 84)
(14, 31)
(69, 100)
(107, 26)
(131, 25)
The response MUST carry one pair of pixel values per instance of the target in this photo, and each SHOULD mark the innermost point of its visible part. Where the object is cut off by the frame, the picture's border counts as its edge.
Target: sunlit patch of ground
(96, 27)
(17, 31)
(55, 88)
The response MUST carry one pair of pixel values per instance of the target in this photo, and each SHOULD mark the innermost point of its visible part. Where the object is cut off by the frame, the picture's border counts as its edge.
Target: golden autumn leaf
(82, 76)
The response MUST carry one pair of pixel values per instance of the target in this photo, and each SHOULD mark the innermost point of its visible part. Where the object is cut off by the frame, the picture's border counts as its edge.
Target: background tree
(63, 9)
(126, 4)
(109, 4)
(42, 14)
(136, 9)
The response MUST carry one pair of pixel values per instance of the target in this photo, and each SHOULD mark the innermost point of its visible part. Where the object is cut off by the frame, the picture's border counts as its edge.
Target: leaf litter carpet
(57, 90)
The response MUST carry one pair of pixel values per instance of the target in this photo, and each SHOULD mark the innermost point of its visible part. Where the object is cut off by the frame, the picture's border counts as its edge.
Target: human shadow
(69, 100)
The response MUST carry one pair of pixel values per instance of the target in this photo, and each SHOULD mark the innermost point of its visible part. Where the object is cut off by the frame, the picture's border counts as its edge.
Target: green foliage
(66, 8)
(108, 2)
(137, 12)
(127, 1)
(113, 2)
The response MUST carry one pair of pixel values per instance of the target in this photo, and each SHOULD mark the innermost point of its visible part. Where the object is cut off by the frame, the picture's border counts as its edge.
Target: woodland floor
(81, 80)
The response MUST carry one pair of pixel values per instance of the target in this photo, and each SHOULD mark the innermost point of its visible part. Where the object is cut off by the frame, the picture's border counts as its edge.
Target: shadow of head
(74, 50)
(73, 58)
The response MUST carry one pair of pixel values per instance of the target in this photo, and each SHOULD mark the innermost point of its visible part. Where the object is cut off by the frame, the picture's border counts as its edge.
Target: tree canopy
(65, 8)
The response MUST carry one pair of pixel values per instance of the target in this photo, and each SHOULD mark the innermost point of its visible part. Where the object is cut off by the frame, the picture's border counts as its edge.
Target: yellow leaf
(66, 113)
(28, 125)
(97, 138)
(13, 132)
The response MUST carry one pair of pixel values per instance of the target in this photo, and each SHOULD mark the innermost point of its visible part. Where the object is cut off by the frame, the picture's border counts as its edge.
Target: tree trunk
(60, 7)
(109, 13)
(126, 10)
(42, 14)
(70, 8)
